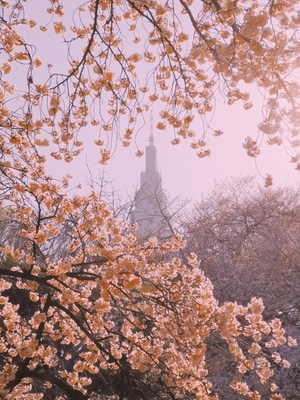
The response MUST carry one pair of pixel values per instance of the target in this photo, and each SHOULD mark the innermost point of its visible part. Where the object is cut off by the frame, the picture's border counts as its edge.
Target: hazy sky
(183, 173)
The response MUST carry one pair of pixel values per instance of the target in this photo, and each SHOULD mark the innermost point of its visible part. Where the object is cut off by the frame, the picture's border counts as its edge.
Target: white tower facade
(150, 211)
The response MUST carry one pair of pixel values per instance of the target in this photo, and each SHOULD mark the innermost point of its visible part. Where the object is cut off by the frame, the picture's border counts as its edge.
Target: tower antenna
(151, 138)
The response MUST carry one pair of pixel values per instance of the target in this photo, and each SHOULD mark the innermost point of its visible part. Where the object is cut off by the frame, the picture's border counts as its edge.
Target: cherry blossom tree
(115, 59)
(85, 310)
(107, 308)
(248, 240)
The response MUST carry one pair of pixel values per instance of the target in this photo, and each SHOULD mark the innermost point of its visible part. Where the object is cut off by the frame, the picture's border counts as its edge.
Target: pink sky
(183, 173)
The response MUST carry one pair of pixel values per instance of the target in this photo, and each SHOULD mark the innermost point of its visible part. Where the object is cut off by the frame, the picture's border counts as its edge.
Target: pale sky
(183, 173)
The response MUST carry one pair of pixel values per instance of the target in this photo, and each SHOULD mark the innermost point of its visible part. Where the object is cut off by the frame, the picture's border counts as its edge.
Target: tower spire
(150, 198)
(151, 157)
(151, 137)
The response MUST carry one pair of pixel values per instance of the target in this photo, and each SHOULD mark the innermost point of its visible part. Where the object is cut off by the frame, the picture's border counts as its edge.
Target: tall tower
(151, 176)
(150, 211)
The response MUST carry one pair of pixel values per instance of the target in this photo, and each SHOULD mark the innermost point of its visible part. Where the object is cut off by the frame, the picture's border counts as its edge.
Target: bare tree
(248, 241)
